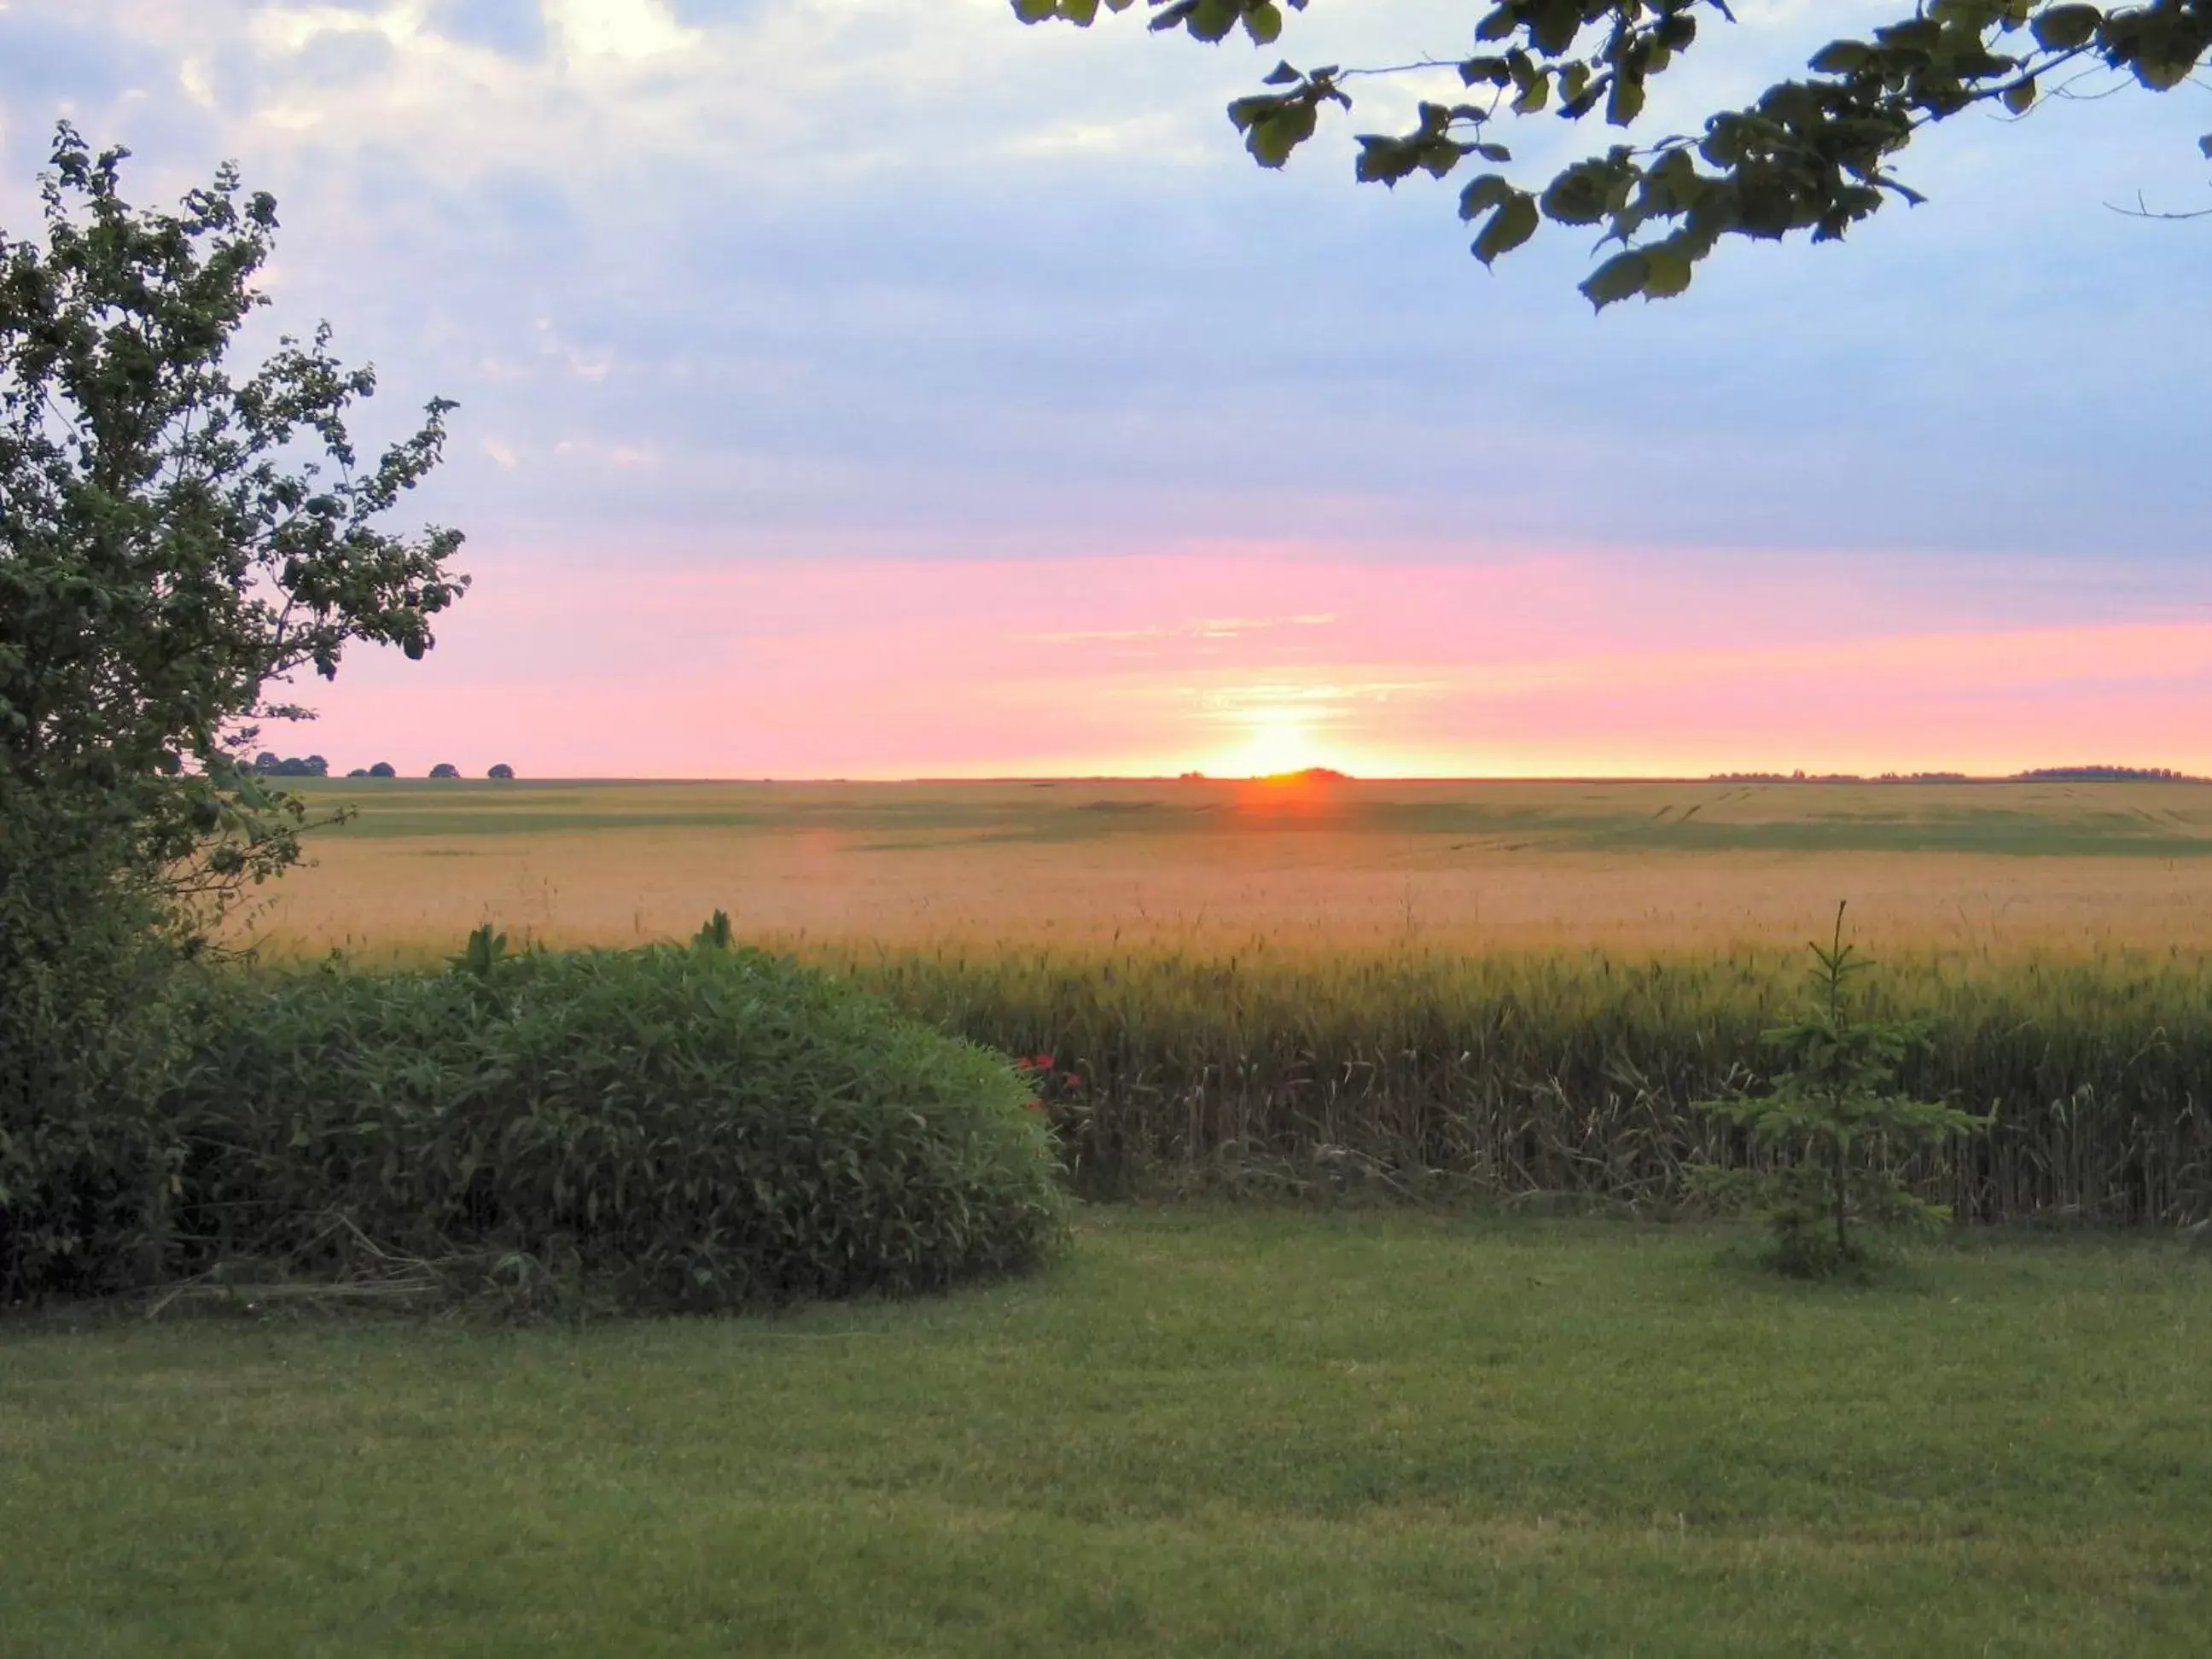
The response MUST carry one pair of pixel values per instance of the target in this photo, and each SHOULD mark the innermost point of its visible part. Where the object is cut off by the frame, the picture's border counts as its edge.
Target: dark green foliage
(1830, 1127)
(1812, 154)
(672, 1128)
(85, 1157)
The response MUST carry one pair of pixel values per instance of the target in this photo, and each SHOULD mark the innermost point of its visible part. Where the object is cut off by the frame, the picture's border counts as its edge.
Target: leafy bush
(85, 1158)
(679, 1128)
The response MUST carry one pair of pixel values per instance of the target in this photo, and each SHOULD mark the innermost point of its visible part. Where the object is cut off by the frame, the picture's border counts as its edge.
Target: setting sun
(1278, 741)
(1278, 728)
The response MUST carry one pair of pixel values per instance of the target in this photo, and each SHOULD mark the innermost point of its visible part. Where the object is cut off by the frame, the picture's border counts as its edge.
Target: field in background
(1497, 989)
(1982, 869)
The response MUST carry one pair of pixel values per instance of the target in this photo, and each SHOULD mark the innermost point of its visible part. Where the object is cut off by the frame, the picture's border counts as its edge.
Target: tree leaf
(1513, 223)
(1625, 102)
(1842, 57)
(2064, 28)
(1484, 194)
(1273, 137)
(1667, 271)
(1211, 20)
(2164, 74)
(1616, 278)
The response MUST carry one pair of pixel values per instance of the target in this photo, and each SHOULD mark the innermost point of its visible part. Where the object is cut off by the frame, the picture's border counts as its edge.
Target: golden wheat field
(1983, 868)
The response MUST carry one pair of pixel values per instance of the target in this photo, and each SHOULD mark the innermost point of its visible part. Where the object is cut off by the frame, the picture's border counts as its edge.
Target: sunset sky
(874, 388)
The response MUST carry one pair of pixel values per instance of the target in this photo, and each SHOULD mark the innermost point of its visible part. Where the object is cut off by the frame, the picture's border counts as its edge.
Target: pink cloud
(1236, 658)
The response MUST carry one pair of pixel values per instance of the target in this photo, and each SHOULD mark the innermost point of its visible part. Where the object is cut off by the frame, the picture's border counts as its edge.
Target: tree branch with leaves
(1816, 153)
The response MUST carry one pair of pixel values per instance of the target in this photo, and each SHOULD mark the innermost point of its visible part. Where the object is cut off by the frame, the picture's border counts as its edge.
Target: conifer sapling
(1835, 1124)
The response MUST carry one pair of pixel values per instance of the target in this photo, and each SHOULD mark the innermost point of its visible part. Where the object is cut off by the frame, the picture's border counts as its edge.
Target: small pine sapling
(1835, 1124)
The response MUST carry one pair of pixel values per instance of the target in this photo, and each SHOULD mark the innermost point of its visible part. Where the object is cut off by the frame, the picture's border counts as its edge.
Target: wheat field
(1507, 988)
(1982, 869)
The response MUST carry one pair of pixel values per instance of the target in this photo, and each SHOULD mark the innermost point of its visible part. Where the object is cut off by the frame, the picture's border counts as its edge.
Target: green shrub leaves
(669, 1128)
(86, 1156)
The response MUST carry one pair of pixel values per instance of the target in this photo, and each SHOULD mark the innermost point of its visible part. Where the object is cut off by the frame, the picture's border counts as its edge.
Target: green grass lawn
(1204, 1433)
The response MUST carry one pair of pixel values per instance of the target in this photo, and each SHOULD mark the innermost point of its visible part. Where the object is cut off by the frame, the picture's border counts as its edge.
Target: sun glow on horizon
(1280, 729)
(1278, 739)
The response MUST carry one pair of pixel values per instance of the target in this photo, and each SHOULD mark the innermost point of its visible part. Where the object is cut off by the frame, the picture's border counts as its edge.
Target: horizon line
(2036, 775)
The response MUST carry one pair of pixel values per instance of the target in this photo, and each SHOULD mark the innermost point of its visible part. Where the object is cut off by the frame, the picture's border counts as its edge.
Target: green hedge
(86, 1158)
(667, 1129)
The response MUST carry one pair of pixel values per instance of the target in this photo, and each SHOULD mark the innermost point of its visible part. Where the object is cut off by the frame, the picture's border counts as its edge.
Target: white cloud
(627, 29)
(192, 76)
(291, 28)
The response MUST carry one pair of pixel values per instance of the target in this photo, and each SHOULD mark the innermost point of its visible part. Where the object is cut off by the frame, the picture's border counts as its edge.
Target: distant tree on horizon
(268, 765)
(384, 769)
(444, 769)
(1812, 154)
(502, 772)
(2103, 774)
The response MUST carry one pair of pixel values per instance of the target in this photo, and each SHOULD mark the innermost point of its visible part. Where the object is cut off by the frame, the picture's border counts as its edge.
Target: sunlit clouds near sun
(1601, 663)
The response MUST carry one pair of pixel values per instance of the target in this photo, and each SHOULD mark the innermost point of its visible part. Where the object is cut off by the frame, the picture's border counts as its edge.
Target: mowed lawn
(1204, 1433)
